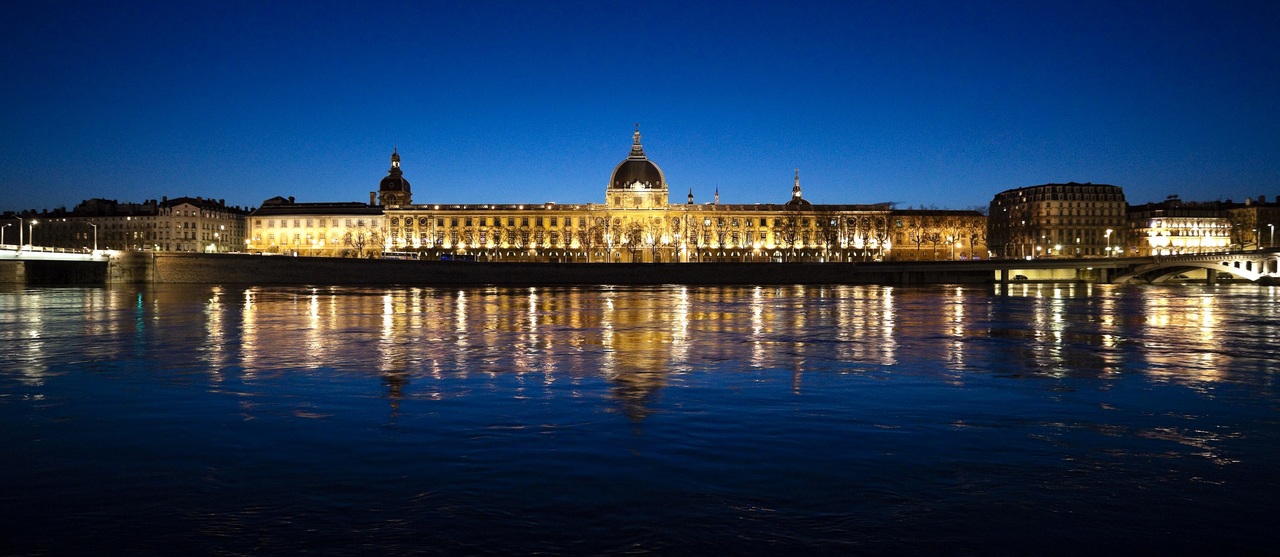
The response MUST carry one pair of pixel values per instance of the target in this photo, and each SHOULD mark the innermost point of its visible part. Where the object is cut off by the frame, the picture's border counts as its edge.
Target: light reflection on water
(650, 420)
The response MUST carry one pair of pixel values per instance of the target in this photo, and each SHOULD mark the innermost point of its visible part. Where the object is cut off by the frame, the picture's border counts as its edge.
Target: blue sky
(919, 103)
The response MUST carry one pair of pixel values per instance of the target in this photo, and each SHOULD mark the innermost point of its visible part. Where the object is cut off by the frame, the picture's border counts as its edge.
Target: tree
(693, 236)
(633, 237)
(653, 237)
(787, 231)
(828, 231)
(1244, 224)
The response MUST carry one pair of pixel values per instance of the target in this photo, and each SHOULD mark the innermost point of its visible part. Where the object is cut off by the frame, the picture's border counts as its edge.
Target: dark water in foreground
(668, 420)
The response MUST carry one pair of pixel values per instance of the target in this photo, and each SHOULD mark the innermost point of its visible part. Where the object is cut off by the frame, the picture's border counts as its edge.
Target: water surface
(1052, 419)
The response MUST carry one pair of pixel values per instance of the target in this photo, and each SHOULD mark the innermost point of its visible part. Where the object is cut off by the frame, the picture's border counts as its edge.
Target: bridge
(1246, 265)
(46, 265)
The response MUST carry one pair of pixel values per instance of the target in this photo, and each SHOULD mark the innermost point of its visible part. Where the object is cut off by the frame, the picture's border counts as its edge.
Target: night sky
(918, 103)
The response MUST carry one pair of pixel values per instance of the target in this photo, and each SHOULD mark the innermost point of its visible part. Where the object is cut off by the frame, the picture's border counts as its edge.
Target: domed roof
(395, 178)
(637, 171)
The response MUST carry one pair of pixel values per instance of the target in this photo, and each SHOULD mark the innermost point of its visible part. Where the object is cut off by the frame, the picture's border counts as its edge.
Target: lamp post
(1272, 242)
(31, 233)
(20, 242)
(1108, 235)
(95, 237)
(2, 232)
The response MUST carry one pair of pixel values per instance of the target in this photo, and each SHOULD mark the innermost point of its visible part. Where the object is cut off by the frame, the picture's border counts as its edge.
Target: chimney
(373, 198)
(290, 199)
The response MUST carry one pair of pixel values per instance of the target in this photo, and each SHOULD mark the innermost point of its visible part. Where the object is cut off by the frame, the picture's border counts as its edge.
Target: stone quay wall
(35, 271)
(196, 268)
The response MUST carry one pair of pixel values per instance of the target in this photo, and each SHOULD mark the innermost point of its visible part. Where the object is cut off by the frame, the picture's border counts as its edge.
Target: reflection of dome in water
(637, 171)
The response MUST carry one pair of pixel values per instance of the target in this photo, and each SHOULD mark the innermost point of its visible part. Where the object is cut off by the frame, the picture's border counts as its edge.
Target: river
(1051, 419)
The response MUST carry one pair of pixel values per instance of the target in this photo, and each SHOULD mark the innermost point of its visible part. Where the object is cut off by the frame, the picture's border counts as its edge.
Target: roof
(637, 169)
(274, 207)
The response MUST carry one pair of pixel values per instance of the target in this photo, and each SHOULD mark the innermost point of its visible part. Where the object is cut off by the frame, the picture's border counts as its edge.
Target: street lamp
(95, 237)
(31, 233)
(1272, 242)
(2, 232)
(1108, 235)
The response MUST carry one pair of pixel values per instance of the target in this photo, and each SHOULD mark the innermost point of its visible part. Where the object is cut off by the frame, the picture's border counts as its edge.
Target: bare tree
(828, 231)
(787, 231)
(633, 237)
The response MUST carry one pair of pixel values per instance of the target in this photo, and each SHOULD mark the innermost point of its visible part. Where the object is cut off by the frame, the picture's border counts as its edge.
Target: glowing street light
(1272, 242)
(2, 232)
(1108, 235)
(31, 233)
(95, 237)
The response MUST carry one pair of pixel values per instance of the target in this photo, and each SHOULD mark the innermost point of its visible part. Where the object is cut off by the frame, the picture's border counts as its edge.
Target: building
(637, 223)
(283, 226)
(1175, 227)
(1254, 223)
(190, 224)
(1057, 220)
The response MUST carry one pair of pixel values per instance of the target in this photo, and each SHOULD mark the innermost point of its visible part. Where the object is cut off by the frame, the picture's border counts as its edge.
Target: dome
(394, 183)
(395, 177)
(637, 171)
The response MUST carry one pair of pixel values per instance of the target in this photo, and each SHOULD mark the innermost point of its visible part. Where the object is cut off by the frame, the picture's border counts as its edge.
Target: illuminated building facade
(637, 223)
(283, 226)
(1174, 227)
(1057, 220)
(184, 224)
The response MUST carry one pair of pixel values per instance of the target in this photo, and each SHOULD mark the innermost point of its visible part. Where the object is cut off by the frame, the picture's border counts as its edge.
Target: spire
(795, 190)
(395, 158)
(717, 195)
(691, 196)
(637, 152)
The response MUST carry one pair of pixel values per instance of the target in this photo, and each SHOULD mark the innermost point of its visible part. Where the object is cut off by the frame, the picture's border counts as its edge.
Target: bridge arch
(1247, 269)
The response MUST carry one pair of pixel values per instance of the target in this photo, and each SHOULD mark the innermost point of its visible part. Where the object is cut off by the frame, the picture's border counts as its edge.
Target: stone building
(184, 224)
(1175, 227)
(283, 226)
(636, 223)
(1057, 220)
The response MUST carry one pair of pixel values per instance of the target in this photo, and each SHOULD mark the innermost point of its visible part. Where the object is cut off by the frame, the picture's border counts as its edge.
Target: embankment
(196, 268)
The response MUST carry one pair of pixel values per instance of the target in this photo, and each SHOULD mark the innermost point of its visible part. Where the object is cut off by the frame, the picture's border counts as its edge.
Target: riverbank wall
(198, 268)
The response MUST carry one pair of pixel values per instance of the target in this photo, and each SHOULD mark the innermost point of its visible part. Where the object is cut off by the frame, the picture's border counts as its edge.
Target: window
(310, 223)
(524, 221)
(553, 221)
(453, 221)
(295, 223)
(539, 220)
(511, 221)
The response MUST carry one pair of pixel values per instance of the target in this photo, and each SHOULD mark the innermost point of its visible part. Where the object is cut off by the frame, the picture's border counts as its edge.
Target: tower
(394, 189)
